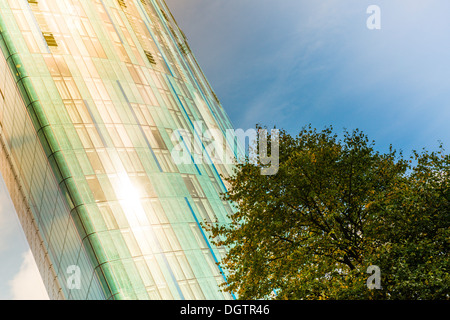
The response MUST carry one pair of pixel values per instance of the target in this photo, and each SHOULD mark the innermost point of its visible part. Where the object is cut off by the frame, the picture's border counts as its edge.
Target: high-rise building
(92, 93)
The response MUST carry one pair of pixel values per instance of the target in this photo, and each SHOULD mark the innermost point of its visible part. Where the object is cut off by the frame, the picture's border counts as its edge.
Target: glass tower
(92, 93)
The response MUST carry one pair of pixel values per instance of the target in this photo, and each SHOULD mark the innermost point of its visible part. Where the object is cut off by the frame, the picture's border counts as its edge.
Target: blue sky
(293, 62)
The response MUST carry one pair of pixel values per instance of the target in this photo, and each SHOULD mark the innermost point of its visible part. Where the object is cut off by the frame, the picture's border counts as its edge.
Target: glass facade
(91, 93)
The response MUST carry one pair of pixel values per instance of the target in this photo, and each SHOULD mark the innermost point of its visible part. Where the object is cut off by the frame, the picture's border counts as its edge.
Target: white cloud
(7, 223)
(27, 283)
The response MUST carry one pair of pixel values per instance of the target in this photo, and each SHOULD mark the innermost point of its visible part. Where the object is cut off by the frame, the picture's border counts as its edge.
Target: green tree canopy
(336, 207)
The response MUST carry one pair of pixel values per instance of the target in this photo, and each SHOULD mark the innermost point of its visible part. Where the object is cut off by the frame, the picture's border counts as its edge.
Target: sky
(290, 63)
(19, 277)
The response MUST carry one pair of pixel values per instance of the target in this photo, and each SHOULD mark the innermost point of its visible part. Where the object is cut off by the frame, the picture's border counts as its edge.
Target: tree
(414, 239)
(335, 207)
